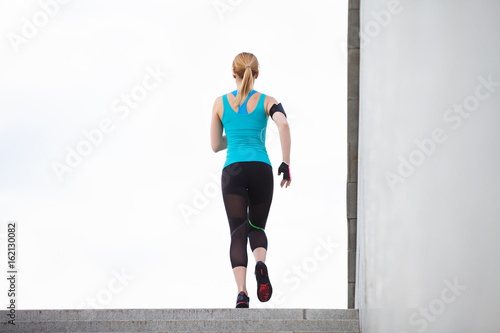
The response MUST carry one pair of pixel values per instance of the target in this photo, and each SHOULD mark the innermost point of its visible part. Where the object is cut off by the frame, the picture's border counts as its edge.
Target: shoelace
(242, 298)
(260, 272)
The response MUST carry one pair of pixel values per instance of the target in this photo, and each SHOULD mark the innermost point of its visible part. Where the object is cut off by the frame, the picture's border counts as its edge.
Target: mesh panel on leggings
(247, 194)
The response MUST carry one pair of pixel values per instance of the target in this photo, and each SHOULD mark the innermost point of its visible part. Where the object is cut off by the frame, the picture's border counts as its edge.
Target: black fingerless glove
(285, 168)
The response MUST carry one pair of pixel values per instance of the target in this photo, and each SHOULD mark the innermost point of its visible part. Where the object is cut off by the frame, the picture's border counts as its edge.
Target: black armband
(276, 108)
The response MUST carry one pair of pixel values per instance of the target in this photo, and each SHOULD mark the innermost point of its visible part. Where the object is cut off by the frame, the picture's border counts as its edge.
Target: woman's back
(245, 128)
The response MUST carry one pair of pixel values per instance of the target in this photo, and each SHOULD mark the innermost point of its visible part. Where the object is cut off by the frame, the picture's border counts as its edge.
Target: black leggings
(247, 190)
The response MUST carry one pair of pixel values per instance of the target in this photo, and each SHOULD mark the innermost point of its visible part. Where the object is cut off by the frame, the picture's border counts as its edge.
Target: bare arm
(285, 137)
(218, 141)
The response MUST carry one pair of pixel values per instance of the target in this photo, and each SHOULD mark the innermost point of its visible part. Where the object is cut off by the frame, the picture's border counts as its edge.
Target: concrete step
(182, 320)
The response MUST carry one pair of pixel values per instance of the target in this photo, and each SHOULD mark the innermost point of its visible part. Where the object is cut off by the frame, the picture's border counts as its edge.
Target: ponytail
(245, 65)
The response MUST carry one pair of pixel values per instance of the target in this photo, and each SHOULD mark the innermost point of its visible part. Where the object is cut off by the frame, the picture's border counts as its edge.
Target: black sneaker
(243, 300)
(264, 288)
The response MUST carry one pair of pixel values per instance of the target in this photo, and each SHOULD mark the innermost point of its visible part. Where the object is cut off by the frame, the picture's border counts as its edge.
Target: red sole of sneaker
(265, 292)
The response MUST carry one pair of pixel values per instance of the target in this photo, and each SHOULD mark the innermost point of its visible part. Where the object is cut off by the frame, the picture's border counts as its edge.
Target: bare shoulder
(218, 101)
(218, 107)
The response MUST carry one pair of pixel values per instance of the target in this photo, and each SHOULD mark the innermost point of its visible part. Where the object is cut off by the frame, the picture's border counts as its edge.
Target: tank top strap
(225, 103)
(260, 104)
(243, 107)
(224, 99)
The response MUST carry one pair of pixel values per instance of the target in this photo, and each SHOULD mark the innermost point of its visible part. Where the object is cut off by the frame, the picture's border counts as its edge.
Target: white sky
(119, 211)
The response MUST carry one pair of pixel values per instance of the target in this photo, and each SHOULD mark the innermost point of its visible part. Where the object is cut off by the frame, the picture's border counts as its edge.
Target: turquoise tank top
(245, 132)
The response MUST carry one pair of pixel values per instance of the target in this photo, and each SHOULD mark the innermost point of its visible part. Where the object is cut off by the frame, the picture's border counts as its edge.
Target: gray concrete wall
(352, 144)
(428, 192)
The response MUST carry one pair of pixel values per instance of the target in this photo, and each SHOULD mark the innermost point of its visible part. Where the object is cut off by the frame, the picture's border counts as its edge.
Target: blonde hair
(246, 66)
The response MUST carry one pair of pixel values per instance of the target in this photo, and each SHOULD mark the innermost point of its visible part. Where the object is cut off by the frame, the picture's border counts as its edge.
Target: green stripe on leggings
(255, 226)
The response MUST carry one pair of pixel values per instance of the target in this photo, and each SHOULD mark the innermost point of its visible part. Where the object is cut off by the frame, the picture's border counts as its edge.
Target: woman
(247, 178)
